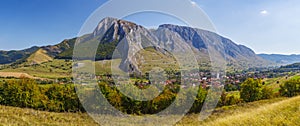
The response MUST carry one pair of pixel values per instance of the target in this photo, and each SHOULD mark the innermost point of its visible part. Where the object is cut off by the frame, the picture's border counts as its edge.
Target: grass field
(52, 69)
(279, 111)
(275, 83)
(29, 117)
(17, 75)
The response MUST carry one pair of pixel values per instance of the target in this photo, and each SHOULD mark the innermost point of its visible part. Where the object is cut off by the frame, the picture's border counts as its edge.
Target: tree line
(63, 98)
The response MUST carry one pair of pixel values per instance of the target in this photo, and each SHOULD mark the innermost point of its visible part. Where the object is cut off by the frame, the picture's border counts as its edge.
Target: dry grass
(280, 111)
(17, 75)
(51, 70)
(29, 117)
(39, 57)
(262, 113)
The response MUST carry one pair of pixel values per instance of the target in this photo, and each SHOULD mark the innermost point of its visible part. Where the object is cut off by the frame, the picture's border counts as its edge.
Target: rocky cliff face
(206, 45)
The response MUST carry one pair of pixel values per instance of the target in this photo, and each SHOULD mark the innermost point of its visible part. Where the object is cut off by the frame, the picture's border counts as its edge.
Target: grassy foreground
(273, 112)
(29, 117)
(280, 111)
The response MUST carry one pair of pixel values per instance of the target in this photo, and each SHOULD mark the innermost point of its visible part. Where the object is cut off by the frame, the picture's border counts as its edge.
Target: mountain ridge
(111, 31)
(281, 59)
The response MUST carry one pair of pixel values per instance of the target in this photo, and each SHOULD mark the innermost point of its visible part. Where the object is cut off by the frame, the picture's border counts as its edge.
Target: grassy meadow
(50, 70)
(279, 111)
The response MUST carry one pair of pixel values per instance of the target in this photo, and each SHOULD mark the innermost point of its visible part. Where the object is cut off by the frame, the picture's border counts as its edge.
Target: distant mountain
(12, 56)
(281, 59)
(63, 50)
(294, 68)
(110, 32)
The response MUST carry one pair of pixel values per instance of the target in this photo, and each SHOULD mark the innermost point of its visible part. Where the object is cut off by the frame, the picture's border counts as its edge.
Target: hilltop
(38, 57)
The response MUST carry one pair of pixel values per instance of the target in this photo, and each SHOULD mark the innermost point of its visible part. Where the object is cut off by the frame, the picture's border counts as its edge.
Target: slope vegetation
(40, 56)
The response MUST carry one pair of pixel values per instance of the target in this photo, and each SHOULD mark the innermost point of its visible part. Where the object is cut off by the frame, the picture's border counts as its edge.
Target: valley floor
(279, 111)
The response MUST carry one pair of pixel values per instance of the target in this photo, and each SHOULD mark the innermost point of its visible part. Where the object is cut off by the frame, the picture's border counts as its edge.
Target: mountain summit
(112, 33)
(172, 38)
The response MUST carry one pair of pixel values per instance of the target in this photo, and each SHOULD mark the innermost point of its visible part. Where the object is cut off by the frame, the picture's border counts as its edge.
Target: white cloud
(264, 12)
(193, 3)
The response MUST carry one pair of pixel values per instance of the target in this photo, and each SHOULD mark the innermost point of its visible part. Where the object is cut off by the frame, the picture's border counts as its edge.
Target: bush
(267, 93)
(251, 90)
(290, 88)
(21, 93)
(27, 93)
(228, 99)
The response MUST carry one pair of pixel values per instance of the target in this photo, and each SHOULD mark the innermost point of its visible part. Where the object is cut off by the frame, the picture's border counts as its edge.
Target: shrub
(228, 99)
(27, 93)
(251, 90)
(267, 93)
(21, 93)
(290, 88)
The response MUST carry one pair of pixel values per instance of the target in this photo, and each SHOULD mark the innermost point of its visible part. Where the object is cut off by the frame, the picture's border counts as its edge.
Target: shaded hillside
(7, 57)
(288, 68)
(63, 50)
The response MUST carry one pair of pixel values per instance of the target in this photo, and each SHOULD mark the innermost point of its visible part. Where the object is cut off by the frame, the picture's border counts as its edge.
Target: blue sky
(266, 26)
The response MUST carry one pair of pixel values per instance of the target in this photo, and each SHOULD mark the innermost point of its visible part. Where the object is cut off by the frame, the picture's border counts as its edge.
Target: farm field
(17, 75)
(51, 69)
(274, 83)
